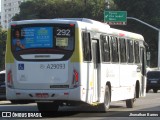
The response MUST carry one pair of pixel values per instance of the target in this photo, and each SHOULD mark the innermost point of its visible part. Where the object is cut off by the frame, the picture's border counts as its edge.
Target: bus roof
(99, 26)
(83, 22)
(122, 33)
(59, 20)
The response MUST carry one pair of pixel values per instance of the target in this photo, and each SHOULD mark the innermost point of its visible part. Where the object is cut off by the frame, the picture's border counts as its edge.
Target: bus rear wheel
(47, 108)
(130, 102)
(155, 90)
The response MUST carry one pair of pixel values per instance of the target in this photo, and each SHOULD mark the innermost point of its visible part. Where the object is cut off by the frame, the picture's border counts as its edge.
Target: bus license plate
(42, 95)
(153, 81)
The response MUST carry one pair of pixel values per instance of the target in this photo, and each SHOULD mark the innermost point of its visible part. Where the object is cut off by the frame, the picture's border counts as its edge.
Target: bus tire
(47, 107)
(147, 90)
(107, 99)
(130, 102)
(155, 90)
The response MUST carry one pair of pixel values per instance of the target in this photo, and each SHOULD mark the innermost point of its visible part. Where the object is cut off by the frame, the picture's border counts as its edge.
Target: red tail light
(75, 81)
(9, 79)
(76, 75)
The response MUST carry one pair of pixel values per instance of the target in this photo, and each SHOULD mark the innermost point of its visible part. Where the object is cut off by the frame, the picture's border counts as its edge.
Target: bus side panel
(80, 67)
(9, 60)
(110, 74)
(128, 78)
(77, 55)
(9, 56)
(85, 69)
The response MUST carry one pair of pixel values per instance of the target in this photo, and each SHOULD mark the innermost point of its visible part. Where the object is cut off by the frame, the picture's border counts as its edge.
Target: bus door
(143, 71)
(96, 62)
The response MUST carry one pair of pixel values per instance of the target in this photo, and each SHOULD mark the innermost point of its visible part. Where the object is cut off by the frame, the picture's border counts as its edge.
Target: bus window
(136, 51)
(42, 39)
(122, 50)
(105, 48)
(114, 48)
(86, 46)
(130, 51)
(31, 38)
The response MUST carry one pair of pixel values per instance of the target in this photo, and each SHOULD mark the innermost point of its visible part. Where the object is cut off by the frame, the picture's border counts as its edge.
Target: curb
(4, 102)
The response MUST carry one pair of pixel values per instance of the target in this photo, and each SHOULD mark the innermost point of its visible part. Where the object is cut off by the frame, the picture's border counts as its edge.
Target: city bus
(73, 61)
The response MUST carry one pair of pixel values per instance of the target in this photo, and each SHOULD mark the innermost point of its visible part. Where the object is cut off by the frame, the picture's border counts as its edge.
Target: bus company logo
(42, 66)
(6, 114)
(20, 66)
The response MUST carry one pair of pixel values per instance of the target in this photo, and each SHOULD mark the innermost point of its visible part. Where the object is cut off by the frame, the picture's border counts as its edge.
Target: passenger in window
(18, 43)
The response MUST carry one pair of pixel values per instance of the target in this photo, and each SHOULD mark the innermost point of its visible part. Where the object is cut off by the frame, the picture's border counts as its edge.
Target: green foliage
(3, 37)
(48, 9)
(147, 11)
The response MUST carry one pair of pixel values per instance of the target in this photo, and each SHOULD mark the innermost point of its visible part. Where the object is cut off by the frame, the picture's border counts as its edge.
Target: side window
(114, 49)
(130, 51)
(122, 50)
(136, 52)
(86, 46)
(105, 48)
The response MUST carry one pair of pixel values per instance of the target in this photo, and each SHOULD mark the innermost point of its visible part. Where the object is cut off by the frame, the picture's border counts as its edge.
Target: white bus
(71, 61)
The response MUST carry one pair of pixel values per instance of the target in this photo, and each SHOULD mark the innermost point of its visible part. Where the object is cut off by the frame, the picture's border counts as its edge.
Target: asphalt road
(147, 107)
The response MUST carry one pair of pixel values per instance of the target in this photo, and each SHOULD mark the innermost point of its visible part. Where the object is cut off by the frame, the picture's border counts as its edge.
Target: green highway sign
(115, 17)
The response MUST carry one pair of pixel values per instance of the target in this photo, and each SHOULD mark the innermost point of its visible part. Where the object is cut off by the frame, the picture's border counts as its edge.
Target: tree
(3, 37)
(147, 11)
(45, 9)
